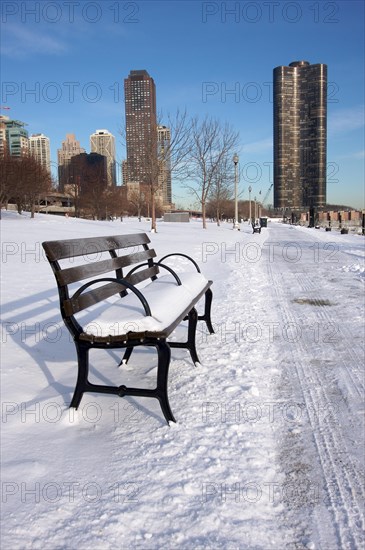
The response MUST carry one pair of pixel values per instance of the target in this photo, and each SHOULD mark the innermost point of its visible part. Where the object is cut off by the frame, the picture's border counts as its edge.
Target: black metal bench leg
(126, 356)
(82, 376)
(207, 310)
(164, 356)
(193, 321)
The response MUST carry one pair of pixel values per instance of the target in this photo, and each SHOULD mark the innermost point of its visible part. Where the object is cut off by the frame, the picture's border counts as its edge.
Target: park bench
(256, 228)
(114, 294)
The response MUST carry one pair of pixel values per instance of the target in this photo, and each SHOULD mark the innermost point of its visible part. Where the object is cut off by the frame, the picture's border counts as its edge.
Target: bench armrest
(121, 282)
(184, 256)
(175, 275)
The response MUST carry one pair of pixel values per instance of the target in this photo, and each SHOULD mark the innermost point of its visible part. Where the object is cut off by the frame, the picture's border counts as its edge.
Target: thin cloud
(258, 146)
(357, 155)
(21, 42)
(346, 120)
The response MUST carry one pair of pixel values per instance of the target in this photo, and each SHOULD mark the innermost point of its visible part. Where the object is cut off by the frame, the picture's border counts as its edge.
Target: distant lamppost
(255, 210)
(236, 224)
(249, 196)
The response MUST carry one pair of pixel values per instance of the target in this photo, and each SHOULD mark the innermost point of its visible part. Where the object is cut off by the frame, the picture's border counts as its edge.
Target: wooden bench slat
(70, 248)
(73, 274)
(92, 297)
(142, 275)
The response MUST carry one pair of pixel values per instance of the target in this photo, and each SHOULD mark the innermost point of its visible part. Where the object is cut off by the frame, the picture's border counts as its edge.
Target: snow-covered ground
(268, 447)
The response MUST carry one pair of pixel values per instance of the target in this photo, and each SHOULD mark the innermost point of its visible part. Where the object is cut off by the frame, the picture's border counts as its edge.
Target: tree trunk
(204, 215)
(153, 212)
(218, 217)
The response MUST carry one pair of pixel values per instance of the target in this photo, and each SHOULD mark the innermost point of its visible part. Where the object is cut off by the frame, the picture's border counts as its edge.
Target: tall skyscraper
(300, 135)
(70, 148)
(103, 142)
(16, 136)
(141, 127)
(164, 159)
(39, 147)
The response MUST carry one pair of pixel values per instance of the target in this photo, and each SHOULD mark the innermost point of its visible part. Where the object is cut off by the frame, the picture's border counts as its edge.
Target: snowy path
(268, 449)
(322, 370)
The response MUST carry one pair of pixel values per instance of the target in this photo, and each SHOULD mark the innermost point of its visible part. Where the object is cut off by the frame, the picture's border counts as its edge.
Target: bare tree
(138, 202)
(212, 144)
(35, 181)
(179, 147)
(222, 188)
(24, 180)
(8, 177)
(73, 188)
(115, 201)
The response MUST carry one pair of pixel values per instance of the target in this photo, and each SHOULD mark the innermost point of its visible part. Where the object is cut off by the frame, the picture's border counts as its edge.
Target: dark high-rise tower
(300, 135)
(141, 127)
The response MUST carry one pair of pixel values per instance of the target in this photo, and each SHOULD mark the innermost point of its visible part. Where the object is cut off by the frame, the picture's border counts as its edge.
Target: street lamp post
(236, 224)
(255, 210)
(249, 196)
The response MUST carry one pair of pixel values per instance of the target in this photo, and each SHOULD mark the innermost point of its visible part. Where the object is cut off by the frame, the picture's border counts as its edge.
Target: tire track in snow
(342, 481)
(348, 357)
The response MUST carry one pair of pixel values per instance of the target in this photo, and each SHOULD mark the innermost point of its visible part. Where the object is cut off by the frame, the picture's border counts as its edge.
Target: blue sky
(64, 62)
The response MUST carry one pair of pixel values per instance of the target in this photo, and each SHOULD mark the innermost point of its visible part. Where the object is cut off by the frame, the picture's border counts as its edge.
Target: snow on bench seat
(167, 300)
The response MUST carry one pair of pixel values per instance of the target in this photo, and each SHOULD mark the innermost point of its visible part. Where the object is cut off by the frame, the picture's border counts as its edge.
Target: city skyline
(210, 58)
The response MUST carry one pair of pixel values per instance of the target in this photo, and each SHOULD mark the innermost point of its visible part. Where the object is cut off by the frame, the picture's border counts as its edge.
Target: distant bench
(109, 311)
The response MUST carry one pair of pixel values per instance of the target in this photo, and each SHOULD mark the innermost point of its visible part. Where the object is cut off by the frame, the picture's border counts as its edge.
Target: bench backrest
(97, 257)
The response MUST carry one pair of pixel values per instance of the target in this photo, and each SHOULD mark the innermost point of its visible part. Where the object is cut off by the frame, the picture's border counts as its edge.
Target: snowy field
(267, 451)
